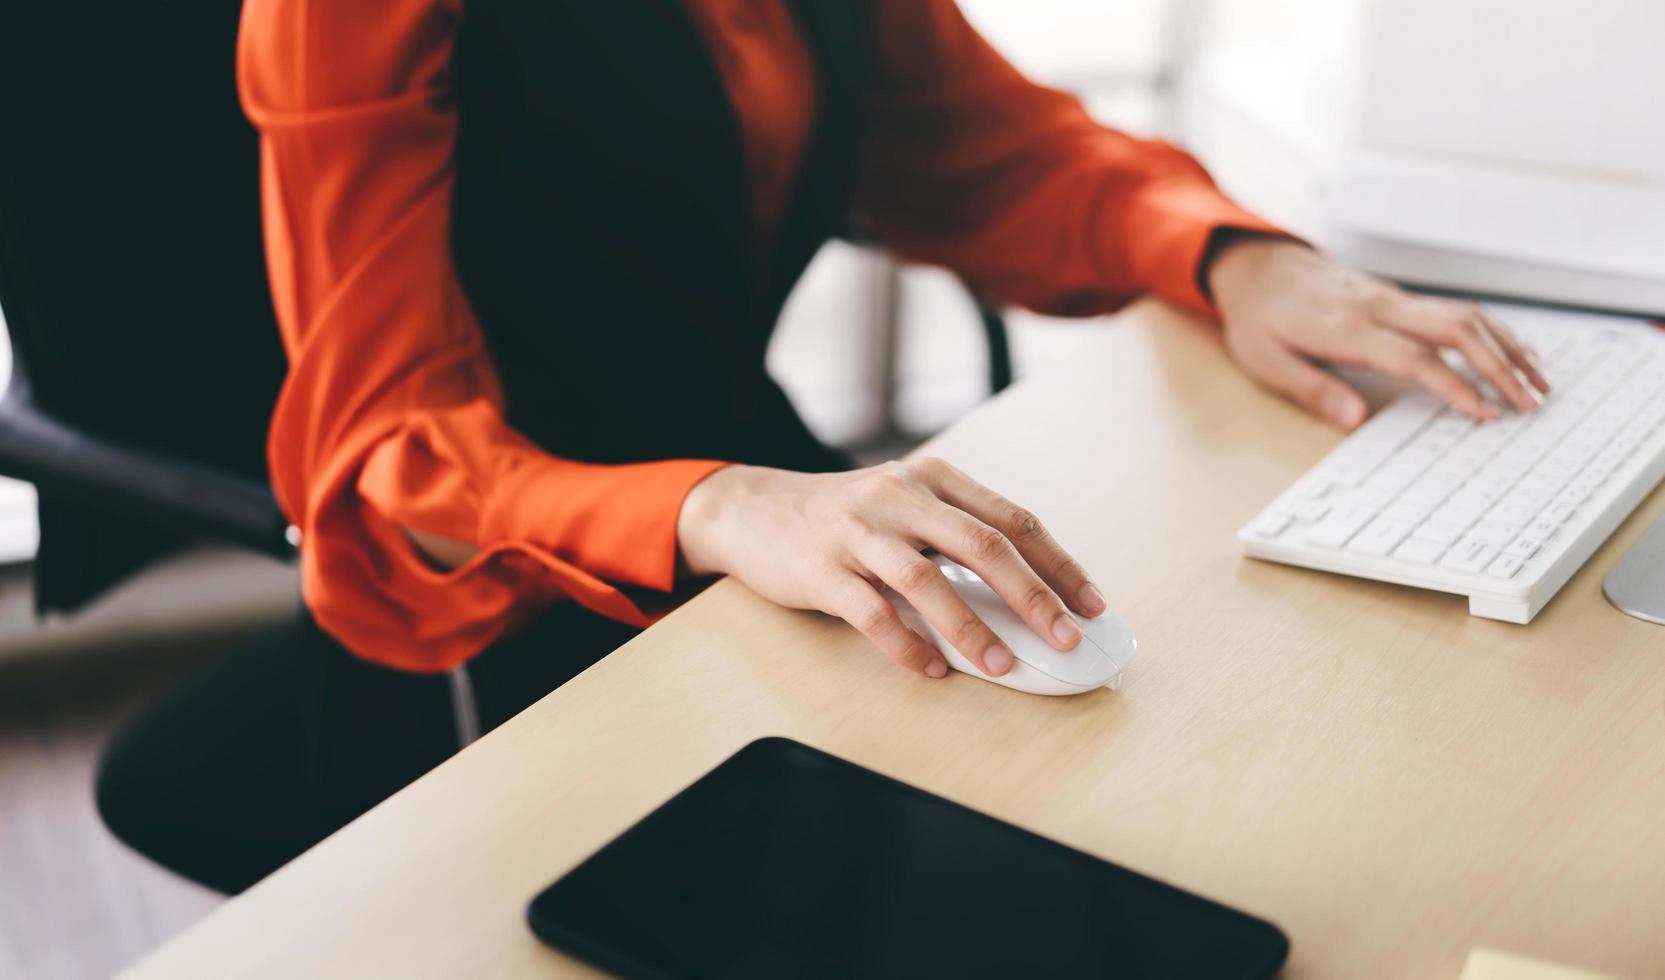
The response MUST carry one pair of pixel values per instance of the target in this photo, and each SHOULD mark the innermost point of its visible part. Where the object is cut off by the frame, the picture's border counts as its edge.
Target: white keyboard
(1503, 512)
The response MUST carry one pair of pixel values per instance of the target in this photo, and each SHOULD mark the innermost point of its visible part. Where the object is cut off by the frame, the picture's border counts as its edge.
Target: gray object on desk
(1636, 585)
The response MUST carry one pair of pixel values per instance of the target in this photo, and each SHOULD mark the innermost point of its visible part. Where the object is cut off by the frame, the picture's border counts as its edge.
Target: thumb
(1309, 386)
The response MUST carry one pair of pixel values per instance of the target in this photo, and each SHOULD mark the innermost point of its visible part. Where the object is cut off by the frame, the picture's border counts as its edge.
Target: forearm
(967, 164)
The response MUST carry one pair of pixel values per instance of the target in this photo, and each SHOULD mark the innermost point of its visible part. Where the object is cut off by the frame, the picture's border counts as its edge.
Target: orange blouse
(392, 412)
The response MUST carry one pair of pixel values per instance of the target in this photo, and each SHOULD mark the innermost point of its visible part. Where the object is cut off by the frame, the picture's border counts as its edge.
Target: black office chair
(146, 357)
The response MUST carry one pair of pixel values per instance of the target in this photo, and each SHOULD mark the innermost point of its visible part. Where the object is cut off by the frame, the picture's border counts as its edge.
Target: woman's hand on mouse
(1285, 306)
(833, 541)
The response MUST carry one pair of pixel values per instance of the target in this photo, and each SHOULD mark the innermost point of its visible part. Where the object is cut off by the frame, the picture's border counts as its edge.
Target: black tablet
(788, 862)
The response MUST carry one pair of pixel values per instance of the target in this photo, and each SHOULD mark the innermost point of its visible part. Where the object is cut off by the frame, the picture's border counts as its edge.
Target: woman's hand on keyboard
(1285, 307)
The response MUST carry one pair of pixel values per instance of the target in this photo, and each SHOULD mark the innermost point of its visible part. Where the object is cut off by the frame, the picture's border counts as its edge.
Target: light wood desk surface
(1385, 777)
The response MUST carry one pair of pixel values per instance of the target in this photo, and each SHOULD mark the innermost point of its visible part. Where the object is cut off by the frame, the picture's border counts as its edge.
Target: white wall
(1076, 43)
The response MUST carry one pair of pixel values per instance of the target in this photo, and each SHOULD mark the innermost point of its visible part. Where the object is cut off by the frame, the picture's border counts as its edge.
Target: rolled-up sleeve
(391, 416)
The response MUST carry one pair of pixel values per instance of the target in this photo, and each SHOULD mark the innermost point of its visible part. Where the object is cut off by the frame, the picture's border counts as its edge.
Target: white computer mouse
(1107, 645)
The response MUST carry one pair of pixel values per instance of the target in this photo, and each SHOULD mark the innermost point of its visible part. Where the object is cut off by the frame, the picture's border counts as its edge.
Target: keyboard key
(1569, 498)
(1493, 532)
(1376, 495)
(1429, 491)
(1511, 466)
(1460, 513)
(1335, 530)
(1556, 467)
(1504, 567)
(1348, 474)
(1542, 529)
(1468, 456)
(1478, 497)
(1421, 551)
(1451, 426)
(1380, 537)
(1469, 556)
(1523, 547)
(1407, 510)
(1512, 512)
(1387, 431)
(1311, 512)
(1443, 534)
(1494, 477)
(1601, 468)
(1272, 525)
(1583, 485)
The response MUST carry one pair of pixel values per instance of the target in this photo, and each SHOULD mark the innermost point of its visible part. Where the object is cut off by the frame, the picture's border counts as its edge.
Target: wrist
(700, 525)
(1242, 257)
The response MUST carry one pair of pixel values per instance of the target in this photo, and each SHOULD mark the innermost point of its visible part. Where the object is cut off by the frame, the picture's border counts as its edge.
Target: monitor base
(1636, 585)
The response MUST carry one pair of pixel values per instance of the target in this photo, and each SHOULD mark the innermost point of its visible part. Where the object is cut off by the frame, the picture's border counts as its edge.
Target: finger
(1458, 325)
(997, 562)
(1304, 383)
(1532, 354)
(921, 582)
(875, 618)
(1520, 352)
(1035, 544)
(1386, 349)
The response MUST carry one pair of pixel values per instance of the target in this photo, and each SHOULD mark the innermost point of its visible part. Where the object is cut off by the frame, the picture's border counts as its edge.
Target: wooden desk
(1387, 778)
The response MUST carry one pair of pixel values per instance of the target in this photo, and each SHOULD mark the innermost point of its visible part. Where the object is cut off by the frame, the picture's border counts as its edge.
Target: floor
(74, 902)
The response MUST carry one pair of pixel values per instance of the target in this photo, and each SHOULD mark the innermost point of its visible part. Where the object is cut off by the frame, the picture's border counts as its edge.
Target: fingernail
(1344, 410)
(1092, 600)
(938, 667)
(1528, 387)
(996, 660)
(1065, 631)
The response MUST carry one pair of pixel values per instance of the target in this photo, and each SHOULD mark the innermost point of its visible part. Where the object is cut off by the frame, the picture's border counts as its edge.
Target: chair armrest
(139, 484)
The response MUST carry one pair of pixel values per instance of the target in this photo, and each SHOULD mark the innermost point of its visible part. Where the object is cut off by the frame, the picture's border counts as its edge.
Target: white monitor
(1512, 147)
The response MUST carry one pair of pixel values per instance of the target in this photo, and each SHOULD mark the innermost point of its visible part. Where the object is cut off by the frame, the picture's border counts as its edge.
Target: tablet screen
(788, 862)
